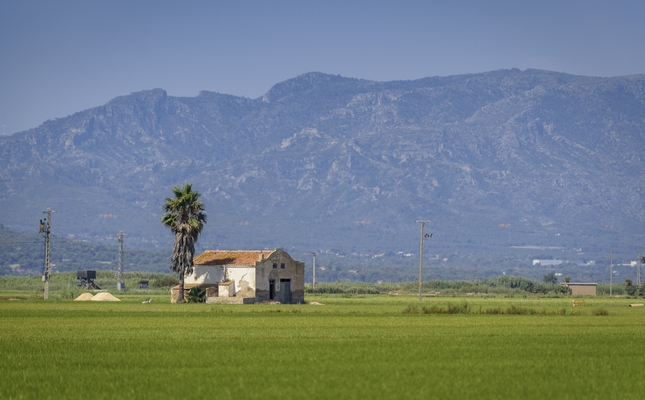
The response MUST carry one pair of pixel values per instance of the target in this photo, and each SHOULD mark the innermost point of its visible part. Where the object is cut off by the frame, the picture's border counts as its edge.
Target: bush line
(465, 308)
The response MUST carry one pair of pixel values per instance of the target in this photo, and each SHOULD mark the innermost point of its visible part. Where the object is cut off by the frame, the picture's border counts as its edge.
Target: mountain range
(527, 163)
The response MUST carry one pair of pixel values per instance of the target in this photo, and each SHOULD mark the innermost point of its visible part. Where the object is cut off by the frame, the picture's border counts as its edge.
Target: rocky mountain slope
(333, 164)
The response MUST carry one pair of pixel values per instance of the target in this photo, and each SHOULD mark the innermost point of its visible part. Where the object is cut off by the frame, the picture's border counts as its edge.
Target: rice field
(350, 347)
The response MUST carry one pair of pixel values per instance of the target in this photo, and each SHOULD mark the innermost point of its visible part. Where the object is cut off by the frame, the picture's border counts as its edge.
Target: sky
(61, 57)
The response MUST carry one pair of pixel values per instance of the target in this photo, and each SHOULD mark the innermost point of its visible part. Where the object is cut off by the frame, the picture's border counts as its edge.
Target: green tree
(630, 288)
(185, 216)
(562, 289)
(550, 278)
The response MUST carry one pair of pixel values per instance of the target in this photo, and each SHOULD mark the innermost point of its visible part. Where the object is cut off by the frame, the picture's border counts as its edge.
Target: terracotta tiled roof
(231, 257)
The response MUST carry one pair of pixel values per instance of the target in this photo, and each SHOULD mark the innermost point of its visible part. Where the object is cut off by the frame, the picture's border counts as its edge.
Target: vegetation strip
(361, 346)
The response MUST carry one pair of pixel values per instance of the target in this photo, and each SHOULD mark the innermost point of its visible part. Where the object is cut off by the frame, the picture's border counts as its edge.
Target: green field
(368, 346)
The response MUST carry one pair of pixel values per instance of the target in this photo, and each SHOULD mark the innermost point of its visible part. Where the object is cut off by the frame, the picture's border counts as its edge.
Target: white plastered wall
(244, 278)
(205, 274)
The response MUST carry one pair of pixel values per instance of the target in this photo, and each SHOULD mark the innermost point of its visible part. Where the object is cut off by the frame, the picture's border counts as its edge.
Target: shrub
(600, 311)
(463, 308)
(512, 310)
(411, 309)
(541, 289)
(433, 309)
(196, 295)
(512, 282)
(561, 289)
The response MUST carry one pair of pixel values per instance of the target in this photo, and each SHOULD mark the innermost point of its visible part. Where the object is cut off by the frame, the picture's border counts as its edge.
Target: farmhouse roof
(579, 284)
(232, 257)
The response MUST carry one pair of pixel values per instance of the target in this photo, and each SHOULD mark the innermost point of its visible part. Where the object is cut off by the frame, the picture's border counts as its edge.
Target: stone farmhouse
(247, 276)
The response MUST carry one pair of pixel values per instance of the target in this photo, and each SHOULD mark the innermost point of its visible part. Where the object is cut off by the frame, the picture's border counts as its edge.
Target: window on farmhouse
(282, 265)
(275, 265)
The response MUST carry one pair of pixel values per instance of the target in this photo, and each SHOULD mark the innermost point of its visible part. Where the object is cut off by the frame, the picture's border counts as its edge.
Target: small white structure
(582, 289)
(547, 262)
(225, 289)
(248, 276)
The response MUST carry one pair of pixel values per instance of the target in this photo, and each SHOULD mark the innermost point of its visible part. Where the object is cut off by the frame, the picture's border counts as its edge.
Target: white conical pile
(84, 297)
(104, 296)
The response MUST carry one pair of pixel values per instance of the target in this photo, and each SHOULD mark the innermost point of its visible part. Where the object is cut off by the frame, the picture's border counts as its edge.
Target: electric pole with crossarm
(45, 229)
(120, 281)
(422, 237)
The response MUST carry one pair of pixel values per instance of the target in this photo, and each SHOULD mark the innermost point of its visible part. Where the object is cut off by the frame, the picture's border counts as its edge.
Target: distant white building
(547, 262)
(558, 262)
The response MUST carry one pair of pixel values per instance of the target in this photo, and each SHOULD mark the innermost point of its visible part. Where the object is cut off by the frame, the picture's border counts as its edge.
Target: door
(272, 290)
(285, 291)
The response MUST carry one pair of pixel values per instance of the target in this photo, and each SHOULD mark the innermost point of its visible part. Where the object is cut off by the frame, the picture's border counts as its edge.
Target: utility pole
(45, 229)
(119, 280)
(313, 281)
(611, 271)
(422, 236)
(638, 269)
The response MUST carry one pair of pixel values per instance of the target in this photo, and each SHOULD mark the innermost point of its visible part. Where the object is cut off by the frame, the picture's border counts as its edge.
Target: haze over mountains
(496, 161)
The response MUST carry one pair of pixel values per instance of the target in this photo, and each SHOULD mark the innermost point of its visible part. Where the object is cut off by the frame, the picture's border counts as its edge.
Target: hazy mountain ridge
(534, 148)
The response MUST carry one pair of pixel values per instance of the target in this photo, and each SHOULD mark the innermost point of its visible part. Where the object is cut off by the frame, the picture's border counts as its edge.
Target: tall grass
(465, 308)
(500, 285)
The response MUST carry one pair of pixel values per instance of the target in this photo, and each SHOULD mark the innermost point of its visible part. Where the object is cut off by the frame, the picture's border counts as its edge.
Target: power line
(22, 242)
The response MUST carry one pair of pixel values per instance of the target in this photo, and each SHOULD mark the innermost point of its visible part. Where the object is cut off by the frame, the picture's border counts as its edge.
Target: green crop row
(365, 346)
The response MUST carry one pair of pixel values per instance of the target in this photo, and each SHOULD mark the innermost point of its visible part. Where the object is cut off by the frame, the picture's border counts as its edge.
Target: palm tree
(186, 218)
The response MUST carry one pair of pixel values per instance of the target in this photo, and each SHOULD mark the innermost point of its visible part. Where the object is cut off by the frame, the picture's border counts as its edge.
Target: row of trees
(552, 278)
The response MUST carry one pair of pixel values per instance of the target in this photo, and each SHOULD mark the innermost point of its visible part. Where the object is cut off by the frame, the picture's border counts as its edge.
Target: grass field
(351, 347)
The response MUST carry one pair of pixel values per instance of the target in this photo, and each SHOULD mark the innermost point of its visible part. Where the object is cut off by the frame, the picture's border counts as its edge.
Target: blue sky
(60, 57)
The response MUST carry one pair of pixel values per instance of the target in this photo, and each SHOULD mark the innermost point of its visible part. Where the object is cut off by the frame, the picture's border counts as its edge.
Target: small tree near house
(550, 278)
(185, 216)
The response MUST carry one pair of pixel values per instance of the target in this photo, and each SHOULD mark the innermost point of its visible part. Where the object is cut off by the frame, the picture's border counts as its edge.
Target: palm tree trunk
(180, 294)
